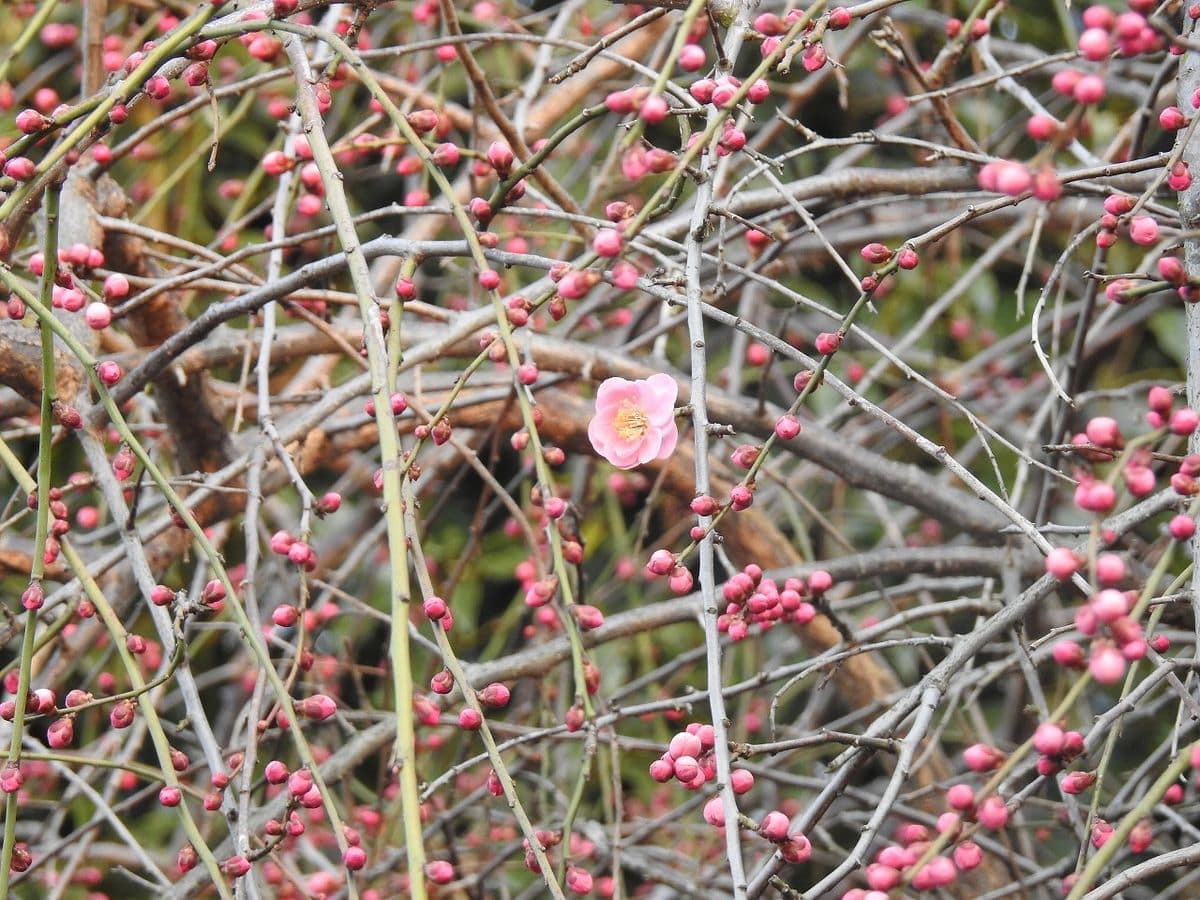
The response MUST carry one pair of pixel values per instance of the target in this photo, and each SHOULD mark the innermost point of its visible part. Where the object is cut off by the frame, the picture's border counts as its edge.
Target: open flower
(635, 420)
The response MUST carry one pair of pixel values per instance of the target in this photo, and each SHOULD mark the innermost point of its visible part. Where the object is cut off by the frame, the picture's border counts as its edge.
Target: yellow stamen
(630, 422)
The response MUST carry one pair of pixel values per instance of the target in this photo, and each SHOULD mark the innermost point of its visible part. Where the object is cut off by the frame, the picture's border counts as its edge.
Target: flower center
(630, 422)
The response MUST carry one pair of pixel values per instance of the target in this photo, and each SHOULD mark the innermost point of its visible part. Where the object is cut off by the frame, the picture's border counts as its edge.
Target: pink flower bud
(213, 592)
(11, 779)
(469, 719)
(495, 695)
(983, 758)
(1061, 563)
(276, 163)
(876, 254)
(960, 797)
(300, 782)
(422, 120)
(1012, 179)
(680, 580)
(61, 732)
(1182, 527)
(1046, 185)
(578, 881)
(654, 109)
(1141, 836)
(967, 856)
(685, 767)
(827, 343)
(1184, 421)
(814, 57)
(745, 455)
(1172, 119)
(285, 616)
(992, 813)
(1109, 605)
(439, 871)
(684, 744)
(434, 608)
(109, 372)
(445, 155)
(1104, 432)
(881, 877)
(692, 58)
(1118, 204)
(1077, 782)
(661, 562)
(1041, 127)
(774, 827)
(98, 315)
(33, 596)
(1089, 90)
(759, 91)
(500, 155)
(235, 866)
(819, 581)
(741, 780)
(702, 90)
(1106, 663)
(714, 812)
(1095, 496)
(1180, 178)
(30, 121)
(607, 242)
(787, 427)
(1143, 230)
(1095, 44)
(662, 770)
(1110, 568)
(318, 707)
(121, 715)
(1049, 739)
(354, 858)
(795, 849)
(839, 18)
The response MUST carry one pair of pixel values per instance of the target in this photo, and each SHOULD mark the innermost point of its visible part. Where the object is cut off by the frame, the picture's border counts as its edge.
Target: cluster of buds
(752, 600)
(296, 550)
(897, 863)
(1129, 33)
(1161, 413)
(33, 596)
(1102, 441)
(689, 760)
(794, 846)
(1005, 176)
(1057, 748)
(663, 563)
(1117, 636)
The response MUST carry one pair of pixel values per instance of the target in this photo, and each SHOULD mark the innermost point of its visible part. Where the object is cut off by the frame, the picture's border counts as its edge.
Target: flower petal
(614, 390)
(657, 395)
(649, 448)
(601, 434)
(670, 438)
(624, 456)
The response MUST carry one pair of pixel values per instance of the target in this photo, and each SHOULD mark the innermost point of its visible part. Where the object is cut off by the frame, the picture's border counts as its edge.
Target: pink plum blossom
(635, 420)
